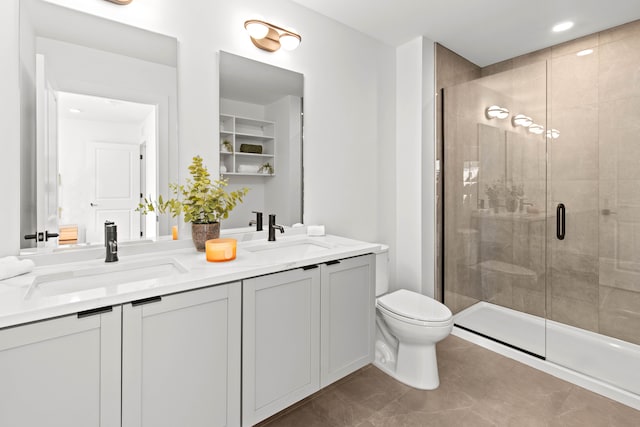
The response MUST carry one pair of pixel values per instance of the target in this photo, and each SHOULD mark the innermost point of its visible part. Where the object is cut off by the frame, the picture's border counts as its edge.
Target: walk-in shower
(542, 205)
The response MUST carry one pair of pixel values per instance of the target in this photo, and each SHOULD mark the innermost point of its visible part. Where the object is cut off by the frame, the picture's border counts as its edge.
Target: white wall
(349, 100)
(415, 167)
(10, 130)
(283, 191)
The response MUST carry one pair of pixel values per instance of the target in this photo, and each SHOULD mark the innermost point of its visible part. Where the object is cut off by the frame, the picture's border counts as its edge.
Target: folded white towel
(248, 168)
(12, 266)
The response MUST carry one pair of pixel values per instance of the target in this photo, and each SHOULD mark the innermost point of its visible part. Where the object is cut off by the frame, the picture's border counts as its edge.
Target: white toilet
(408, 327)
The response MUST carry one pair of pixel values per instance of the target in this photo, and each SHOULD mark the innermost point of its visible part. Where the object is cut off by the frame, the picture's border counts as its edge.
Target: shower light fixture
(496, 112)
(521, 120)
(536, 129)
(553, 134)
(270, 37)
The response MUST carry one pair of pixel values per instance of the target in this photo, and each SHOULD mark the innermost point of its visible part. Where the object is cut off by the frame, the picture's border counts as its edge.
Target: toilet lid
(415, 306)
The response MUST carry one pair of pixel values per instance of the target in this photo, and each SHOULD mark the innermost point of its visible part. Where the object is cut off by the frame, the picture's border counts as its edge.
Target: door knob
(93, 205)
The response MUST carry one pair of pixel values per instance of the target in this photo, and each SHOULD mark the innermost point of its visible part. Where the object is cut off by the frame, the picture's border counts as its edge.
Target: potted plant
(513, 196)
(202, 202)
(227, 146)
(494, 193)
(266, 168)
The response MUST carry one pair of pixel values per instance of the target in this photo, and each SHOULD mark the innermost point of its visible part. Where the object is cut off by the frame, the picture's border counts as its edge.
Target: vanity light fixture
(496, 112)
(536, 129)
(562, 26)
(270, 37)
(553, 134)
(521, 120)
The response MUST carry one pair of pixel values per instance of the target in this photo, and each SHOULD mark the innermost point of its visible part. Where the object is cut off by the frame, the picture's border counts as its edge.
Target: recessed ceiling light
(75, 110)
(563, 26)
(585, 52)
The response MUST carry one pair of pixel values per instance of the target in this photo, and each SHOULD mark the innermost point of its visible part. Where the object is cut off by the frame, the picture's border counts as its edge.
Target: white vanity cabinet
(181, 359)
(280, 341)
(62, 372)
(348, 317)
(304, 329)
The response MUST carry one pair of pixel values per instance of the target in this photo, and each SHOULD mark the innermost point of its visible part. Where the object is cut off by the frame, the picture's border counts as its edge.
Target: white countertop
(15, 309)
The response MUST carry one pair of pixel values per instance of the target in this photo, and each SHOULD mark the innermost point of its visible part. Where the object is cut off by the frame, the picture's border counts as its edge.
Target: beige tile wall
(592, 278)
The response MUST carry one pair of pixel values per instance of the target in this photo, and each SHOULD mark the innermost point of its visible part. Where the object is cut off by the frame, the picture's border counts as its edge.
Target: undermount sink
(107, 274)
(298, 248)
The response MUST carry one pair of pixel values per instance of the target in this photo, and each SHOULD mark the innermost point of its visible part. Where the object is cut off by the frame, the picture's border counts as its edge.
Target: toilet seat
(412, 307)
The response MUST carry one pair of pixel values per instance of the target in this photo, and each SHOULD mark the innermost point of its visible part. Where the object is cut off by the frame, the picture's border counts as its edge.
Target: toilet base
(416, 366)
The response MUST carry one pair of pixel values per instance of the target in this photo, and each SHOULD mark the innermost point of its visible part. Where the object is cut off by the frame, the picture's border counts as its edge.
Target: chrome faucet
(111, 241)
(257, 222)
(272, 228)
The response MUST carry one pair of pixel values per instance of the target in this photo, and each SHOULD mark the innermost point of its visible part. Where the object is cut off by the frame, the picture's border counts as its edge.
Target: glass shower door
(495, 206)
(593, 279)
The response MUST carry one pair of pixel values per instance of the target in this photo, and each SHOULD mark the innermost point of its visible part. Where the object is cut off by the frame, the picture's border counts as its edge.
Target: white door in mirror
(114, 190)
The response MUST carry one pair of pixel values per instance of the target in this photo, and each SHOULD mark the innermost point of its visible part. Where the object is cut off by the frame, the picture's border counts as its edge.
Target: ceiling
(482, 31)
(245, 80)
(101, 109)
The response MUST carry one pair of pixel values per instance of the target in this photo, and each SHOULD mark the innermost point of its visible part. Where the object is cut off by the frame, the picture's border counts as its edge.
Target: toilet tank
(382, 270)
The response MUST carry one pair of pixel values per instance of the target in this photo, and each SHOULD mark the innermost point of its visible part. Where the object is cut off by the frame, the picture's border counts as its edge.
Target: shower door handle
(560, 221)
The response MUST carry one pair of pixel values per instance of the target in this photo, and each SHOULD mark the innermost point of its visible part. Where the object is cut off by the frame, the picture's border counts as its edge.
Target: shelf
(243, 130)
(248, 174)
(254, 137)
(254, 155)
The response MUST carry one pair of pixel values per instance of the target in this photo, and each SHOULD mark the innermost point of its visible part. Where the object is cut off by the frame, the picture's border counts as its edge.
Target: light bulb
(496, 112)
(536, 129)
(256, 29)
(289, 41)
(521, 120)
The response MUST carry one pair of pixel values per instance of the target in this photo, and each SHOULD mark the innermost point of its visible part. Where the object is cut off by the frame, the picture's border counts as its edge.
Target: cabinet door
(348, 317)
(280, 341)
(181, 359)
(62, 372)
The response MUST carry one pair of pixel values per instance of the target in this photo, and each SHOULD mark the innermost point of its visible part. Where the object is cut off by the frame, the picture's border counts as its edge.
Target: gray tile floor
(477, 388)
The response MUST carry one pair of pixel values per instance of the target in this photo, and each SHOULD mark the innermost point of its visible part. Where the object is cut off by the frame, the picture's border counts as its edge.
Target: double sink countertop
(71, 281)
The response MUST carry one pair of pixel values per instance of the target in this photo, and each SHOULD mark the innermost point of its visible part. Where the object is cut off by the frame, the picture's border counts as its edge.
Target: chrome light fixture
(521, 120)
(553, 134)
(270, 37)
(536, 129)
(496, 112)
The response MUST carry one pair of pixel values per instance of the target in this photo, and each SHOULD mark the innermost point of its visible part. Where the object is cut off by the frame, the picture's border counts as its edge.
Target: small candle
(174, 232)
(221, 249)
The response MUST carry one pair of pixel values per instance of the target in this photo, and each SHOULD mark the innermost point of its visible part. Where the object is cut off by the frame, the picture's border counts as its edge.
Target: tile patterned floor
(477, 388)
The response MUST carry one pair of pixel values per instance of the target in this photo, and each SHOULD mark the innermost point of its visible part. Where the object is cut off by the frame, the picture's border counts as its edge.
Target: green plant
(496, 190)
(201, 200)
(266, 168)
(228, 146)
(515, 192)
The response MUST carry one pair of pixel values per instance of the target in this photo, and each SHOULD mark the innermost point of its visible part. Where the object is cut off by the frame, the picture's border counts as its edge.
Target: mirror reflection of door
(47, 149)
(114, 188)
(99, 172)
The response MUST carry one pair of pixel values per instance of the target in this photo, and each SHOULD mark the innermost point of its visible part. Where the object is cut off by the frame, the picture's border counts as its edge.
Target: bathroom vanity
(201, 344)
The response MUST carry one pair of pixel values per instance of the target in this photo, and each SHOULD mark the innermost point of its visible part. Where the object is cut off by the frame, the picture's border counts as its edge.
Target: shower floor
(600, 357)
(511, 327)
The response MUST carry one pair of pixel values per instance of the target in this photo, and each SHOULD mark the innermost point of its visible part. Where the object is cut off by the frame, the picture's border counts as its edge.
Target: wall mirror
(99, 125)
(261, 122)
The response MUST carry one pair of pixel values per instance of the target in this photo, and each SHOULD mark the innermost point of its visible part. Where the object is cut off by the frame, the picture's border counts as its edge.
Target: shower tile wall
(451, 69)
(494, 256)
(593, 276)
